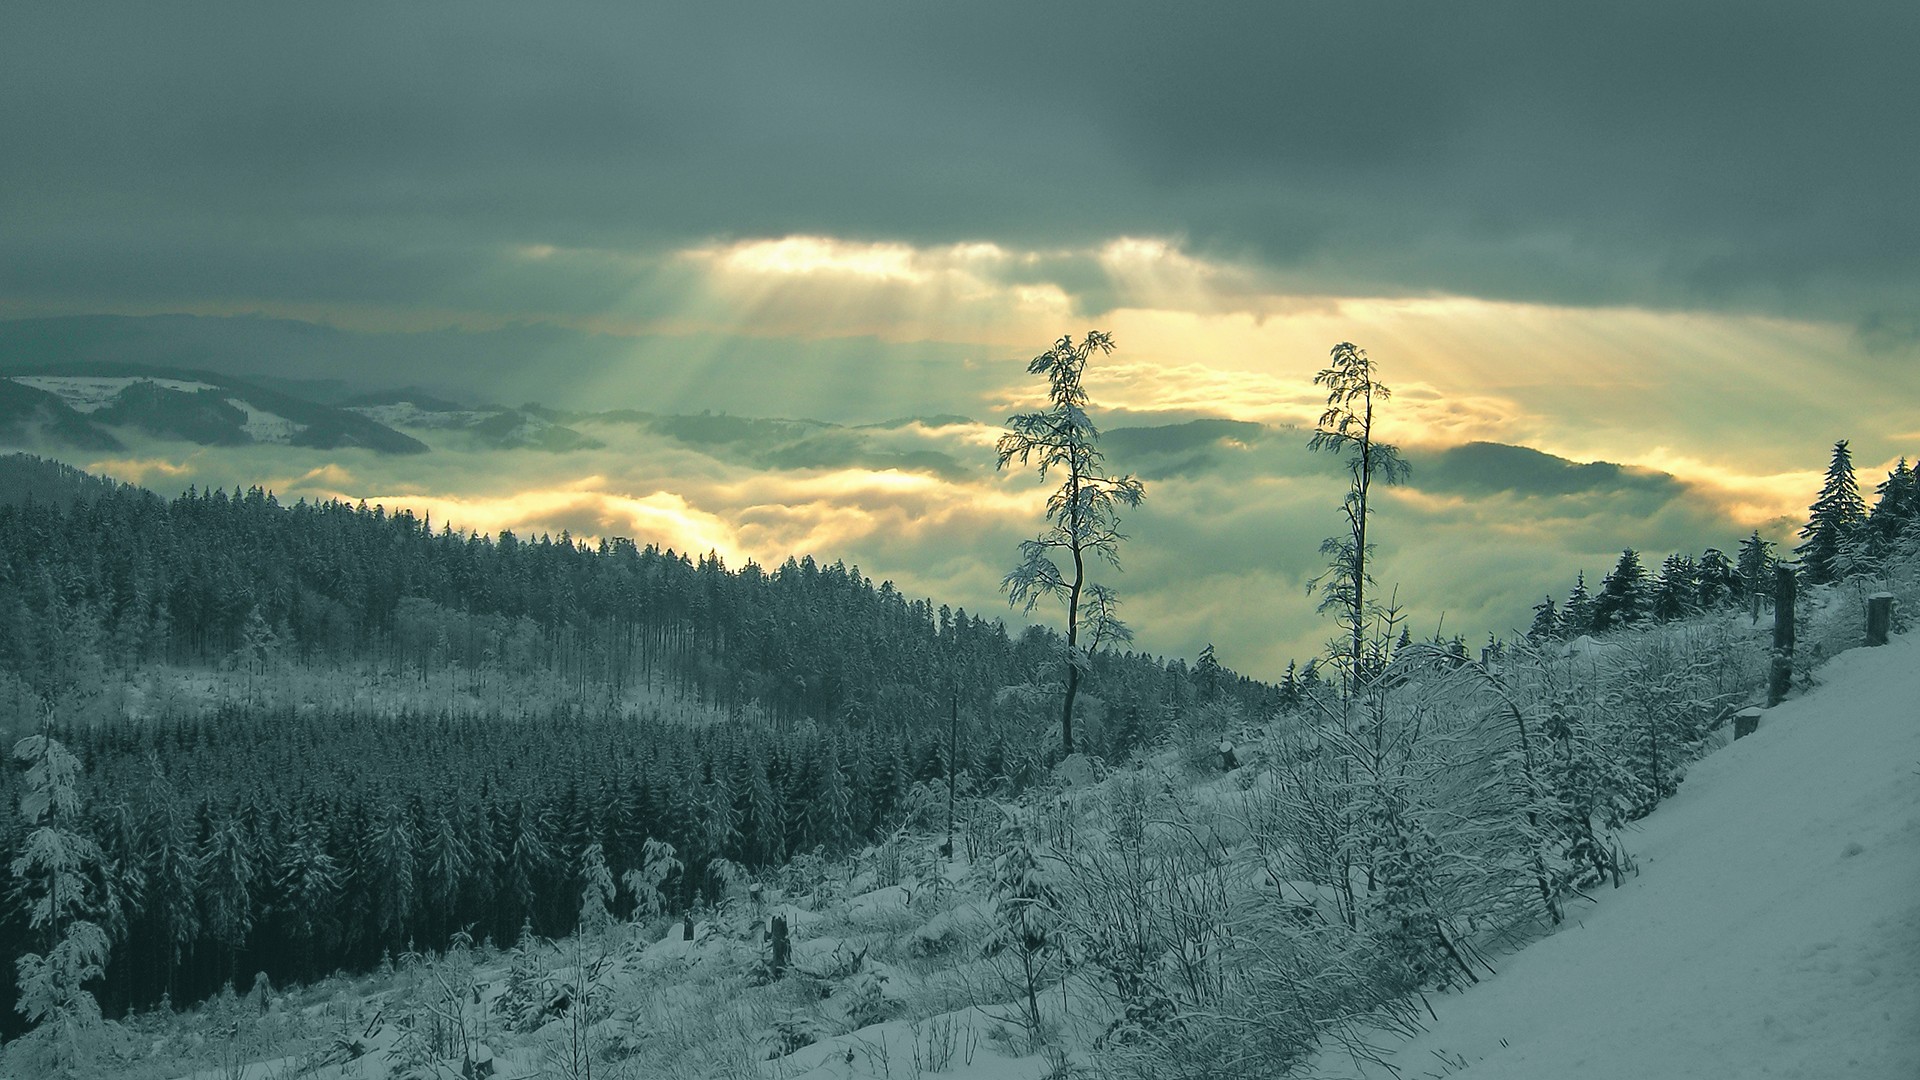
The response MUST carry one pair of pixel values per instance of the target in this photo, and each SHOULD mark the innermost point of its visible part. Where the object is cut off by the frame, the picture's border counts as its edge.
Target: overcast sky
(1680, 237)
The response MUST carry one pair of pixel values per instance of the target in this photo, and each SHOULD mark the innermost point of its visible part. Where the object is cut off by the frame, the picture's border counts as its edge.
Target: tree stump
(1746, 721)
(1879, 618)
(782, 946)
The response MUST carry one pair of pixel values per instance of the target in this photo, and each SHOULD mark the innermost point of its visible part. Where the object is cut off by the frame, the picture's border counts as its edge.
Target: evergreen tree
(309, 885)
(1027, 912)
(1206, 674)
(1833, 520)
(1673, 591)
(1715, 579)
(1623, 595)
(1546, 622)
(1896, 509)
(596, 898)
(228, 885)
(55, 874)
(1755, 570)
(1897, 500)
(1577, 617)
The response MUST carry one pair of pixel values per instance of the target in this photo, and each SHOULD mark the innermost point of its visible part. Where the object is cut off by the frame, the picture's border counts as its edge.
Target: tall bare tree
(1346, 429)
(1083, 516)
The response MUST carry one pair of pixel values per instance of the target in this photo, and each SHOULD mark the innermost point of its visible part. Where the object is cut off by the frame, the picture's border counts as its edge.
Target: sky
(1678, 238)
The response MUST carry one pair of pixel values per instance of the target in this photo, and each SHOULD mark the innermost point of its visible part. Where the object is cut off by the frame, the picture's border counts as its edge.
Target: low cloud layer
(1221, 552)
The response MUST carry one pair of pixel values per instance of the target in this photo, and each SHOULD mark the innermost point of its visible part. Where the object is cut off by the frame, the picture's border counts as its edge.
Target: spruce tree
(1673, 591)
(1576, 618)
(1832, 520)
(1715, 579)
(55, 873)
(1546, 622)
(1755, 568)
(1623, 595)
(1896, 508)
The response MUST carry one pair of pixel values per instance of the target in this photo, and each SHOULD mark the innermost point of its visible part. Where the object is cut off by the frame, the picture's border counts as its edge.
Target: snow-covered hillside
(1771, 927)
(87, 393)
(1773, 930)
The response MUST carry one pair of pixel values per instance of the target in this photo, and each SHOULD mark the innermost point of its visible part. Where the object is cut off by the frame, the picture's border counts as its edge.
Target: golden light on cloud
(663, 518)
(809, 255)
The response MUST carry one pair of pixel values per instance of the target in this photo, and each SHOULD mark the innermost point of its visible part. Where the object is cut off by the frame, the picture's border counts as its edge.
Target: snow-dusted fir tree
(1755, 569)
(1083, 516)
(1546, 621)
(54, 874)
(1026, 922)
(1346, 429)
(1674, 590)
(1833, 519)
(1577, 617)
(1715, 580)
(648, 881)
(1623, 595)
(596, 896)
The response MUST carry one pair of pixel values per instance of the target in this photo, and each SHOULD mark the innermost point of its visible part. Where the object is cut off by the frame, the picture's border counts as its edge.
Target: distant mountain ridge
(81, 404)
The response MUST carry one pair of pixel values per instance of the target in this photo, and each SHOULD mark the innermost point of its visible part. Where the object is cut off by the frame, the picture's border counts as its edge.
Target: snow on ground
(1774, 930)
(407, 414)
(263, 426)
(87, 394)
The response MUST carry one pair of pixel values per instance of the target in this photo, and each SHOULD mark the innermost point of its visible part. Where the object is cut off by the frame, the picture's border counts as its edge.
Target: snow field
(1773, 931)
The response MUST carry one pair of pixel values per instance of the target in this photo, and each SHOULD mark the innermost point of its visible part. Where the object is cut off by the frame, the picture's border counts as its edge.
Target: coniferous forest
(744, 716)
(291, 741)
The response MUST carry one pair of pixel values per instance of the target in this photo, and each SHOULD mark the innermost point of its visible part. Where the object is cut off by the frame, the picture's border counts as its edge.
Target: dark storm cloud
(1754, 156)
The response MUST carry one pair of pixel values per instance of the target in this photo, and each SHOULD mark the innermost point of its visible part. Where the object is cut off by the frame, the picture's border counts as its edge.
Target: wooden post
(1780, 678)
(782, 946)
(1879, 617)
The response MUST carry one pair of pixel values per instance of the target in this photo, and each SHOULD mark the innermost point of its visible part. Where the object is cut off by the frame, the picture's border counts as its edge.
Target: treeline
(124, 579)
(256, 832)
(255, 841)
(1842, 538)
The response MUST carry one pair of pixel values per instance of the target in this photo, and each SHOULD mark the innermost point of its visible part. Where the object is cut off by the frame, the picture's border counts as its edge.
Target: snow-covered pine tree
(1026, 921)
(54, 874)
(1897, 500)
(830, 811)
(1755, 569)
(1896, 508)
(1832, 520)
(1674, 589)
(1546, 621)
(1623, 594)
(393, 867)
(648, 882)
(446, 861)
(1576, 617)
(229, 874)
(1715, 579)
(596, 898)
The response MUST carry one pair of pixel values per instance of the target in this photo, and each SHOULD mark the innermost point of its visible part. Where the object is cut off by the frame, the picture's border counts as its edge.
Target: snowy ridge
(87, 393)
(263, 426)
(1774, 929)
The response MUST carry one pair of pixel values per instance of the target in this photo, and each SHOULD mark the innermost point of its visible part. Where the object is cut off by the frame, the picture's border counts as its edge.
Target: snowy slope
(1774, 930)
